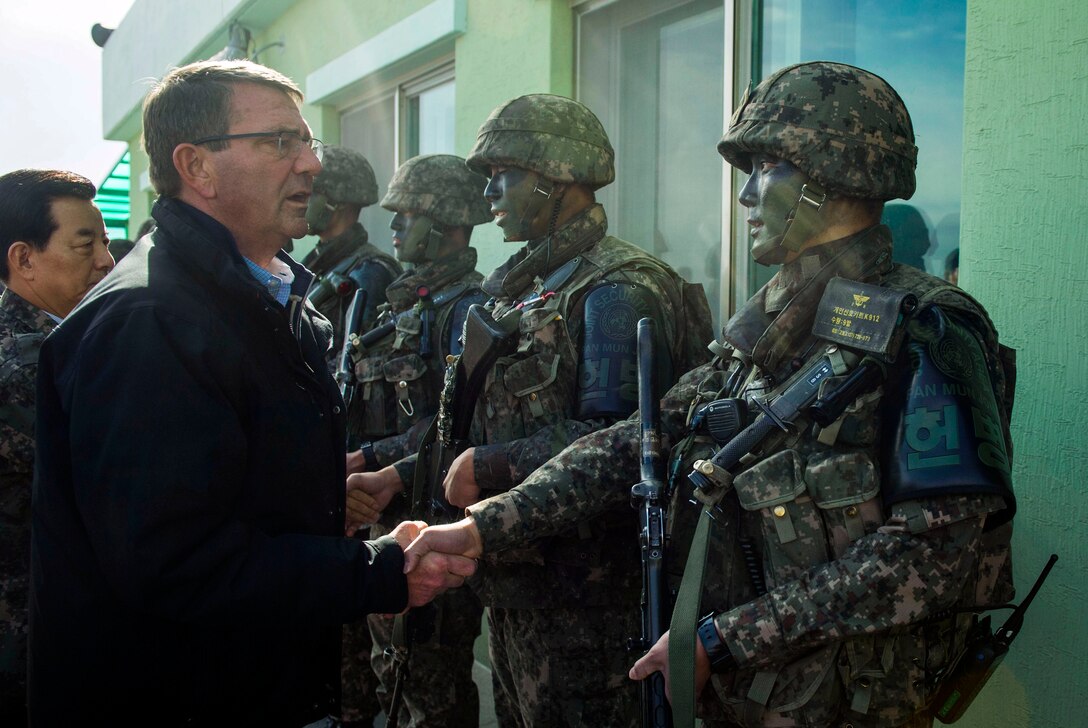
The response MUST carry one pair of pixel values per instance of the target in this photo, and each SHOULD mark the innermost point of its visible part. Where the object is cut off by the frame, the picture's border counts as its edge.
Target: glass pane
(370, 130)
(653, 72)
(918, 47)
(430, 123)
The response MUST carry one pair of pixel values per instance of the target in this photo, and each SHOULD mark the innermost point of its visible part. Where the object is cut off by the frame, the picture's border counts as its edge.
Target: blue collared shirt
(278, 283)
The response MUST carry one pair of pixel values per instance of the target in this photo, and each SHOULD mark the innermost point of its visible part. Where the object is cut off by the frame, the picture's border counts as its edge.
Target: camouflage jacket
(349, 258)
(856, 613)
(399, 382)
(22, 328)
(528, 411)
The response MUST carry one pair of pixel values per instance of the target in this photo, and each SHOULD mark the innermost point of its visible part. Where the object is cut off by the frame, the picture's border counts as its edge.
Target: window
(408, 118)
(660, 75)
(918, 47)
(653, 72)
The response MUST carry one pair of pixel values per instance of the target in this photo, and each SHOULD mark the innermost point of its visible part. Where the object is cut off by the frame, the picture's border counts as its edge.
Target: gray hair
(193, 102)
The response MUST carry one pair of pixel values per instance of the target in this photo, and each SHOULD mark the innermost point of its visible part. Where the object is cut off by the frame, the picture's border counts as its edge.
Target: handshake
(436, 558)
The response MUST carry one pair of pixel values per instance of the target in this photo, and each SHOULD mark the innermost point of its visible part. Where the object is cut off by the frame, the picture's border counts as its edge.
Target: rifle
(713, 478)
(485, 341)
(382, 330)
(447, 436)
(981, 655)
(797, 399)
(333, 285)
(345, 367)
(648, 496)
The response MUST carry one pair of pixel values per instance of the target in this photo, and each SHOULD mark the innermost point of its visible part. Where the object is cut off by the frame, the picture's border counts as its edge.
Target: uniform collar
(23, 317)
(539, 257)
(435, 274)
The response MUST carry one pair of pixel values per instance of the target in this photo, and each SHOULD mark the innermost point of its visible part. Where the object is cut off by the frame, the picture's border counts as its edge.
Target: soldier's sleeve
(406, 469)
(390, 450)
(588, 478)
(914, 566)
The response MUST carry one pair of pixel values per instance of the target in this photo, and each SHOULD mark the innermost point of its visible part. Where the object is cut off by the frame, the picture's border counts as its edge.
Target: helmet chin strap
(423, 241)
(434, 242)
(319, 212)
(803, 220)
(542, 192)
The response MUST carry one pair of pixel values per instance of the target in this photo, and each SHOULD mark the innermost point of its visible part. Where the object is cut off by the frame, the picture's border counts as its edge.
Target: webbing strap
(685, 616)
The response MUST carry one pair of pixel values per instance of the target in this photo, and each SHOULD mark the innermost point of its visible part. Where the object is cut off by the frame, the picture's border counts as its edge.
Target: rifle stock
(648, 497)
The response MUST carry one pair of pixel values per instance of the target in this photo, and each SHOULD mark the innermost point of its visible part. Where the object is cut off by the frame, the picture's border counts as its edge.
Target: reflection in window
(424, 126)
(918, 47)
(653, 72)
(369, 130)
(430, 121)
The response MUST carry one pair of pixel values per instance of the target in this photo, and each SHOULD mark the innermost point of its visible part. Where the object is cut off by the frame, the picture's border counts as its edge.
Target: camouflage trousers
(564, 667)
(438, 690)
(712, 715)
(358, 683)
(13, 635)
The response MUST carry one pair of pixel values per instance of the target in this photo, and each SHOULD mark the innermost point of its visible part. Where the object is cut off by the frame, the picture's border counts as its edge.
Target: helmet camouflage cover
(441, 187)
(346, 178)
(556, 137)
(844, 127)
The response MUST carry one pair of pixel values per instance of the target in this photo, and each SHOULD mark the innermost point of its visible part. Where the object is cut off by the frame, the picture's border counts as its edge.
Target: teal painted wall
(1024, 255)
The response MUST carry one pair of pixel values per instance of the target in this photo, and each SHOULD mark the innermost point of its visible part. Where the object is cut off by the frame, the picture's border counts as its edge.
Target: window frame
(403, 88)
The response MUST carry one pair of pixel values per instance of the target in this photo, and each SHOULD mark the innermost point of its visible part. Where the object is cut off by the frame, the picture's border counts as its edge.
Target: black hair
(26, 200)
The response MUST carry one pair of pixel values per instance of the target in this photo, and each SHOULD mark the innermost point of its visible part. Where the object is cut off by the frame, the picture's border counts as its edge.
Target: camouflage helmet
(844, 127)
(346, 178)
(556, 137)
(441, 187)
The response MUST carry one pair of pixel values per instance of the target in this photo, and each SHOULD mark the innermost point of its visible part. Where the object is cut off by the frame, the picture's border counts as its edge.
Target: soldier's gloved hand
(368, 494)
(460, 483)
(657, 660)
(462, 538)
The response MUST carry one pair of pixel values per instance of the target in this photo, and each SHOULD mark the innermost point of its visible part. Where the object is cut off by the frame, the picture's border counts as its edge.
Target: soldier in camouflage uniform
(843, 560)
(54, 249)
(561, 608)
(437, 201)
(343, 260)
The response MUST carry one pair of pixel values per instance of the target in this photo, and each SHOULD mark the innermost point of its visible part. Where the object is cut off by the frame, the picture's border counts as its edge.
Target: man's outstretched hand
(433, 573)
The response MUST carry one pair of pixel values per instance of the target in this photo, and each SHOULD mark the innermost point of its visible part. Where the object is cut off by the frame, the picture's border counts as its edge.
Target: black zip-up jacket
(188, 561)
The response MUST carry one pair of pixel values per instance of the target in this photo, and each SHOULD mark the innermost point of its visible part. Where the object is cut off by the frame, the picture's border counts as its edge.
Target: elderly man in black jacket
(187, 566)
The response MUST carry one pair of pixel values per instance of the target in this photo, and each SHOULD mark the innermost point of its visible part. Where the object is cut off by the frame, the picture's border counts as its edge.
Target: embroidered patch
(862, 316)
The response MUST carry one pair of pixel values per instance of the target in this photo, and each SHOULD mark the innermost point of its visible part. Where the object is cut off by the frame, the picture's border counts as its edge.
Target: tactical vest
(396, 384)
(804, 502)
(535, 387)
(363, 266)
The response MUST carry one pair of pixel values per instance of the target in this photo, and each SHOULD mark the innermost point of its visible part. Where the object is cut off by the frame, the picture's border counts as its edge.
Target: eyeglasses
(288, 143)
